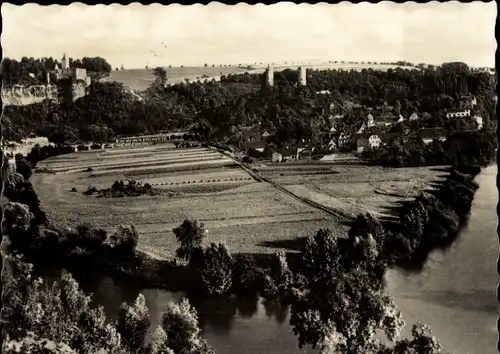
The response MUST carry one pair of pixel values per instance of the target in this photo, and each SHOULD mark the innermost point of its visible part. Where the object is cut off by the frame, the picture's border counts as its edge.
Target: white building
(277, 157)
(270, 75)
(479, 121)
(332, 145)
(458, 113)
(342, 140)
(302, 76)
(428, 135)
(365, 141)
(413, 117)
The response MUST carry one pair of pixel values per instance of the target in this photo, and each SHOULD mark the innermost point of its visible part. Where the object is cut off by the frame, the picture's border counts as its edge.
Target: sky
(137, 35)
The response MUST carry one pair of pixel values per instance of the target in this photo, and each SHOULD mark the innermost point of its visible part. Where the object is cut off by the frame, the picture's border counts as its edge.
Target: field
(250, 216)
(352, 189)
(141, 79)
(203, 184)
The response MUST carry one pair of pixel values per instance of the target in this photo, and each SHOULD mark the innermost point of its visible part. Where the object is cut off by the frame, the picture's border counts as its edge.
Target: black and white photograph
(249, 179)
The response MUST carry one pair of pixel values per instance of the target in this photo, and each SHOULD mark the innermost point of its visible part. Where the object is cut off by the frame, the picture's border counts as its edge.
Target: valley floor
(249, 216)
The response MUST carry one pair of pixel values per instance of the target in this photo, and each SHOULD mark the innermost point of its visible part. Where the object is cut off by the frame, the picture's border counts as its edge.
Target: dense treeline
(405, 90)
(461, 148)
(31, 71)
(219, 110)
(324, 313)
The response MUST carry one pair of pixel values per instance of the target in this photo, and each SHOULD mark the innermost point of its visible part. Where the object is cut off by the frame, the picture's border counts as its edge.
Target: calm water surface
(455, 294)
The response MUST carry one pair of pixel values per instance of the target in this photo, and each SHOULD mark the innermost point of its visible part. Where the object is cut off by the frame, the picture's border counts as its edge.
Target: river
(455, 294)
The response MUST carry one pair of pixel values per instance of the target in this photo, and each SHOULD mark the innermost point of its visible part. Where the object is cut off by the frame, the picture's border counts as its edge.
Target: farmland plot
(198, 183)
(360, 189)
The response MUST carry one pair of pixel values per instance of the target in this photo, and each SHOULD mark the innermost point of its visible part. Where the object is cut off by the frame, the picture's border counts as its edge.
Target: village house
(467, 102)
(458, 113)
(413, 117)
(332, 145)
(428, 135)
(266, 134)
(257, 145)
(343, 139)
(277, 157)
(479, 121)
(301, 146)
(367, 140)
(388, 120)
(285, 154)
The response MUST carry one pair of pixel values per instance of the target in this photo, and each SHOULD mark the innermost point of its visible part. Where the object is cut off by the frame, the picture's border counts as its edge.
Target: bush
(182, 332)
(245, 275)
(190, 235)
(133, 324)
(216, 273)
(247, 159)
(125, 240)
(53, 313)
(89, 238)
(24, 168)
(90, 190)
(280, 272)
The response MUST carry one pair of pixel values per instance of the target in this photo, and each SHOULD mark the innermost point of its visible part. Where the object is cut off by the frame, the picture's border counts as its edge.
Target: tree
(125, 239)
(345, 304)
(216, 272)
(60, 313)
(180, 324)
(422, 341)
(245, 275)
(133, 324)
(158, 344)
(23, 167)
(160, 75)
(280, 272)
(190, 235)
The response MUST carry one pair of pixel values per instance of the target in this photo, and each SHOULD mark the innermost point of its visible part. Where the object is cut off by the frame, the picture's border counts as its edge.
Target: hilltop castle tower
(64, 62)
(302, 76)
(270, 75)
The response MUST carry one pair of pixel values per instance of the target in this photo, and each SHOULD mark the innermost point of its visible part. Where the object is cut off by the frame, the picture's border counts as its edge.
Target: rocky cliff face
(19, 95)
(24, 95)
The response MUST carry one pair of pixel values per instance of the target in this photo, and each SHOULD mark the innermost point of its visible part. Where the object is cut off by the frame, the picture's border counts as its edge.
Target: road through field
(322, 209)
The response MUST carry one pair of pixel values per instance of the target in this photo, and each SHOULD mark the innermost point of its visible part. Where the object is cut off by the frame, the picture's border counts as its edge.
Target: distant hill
(141, 79)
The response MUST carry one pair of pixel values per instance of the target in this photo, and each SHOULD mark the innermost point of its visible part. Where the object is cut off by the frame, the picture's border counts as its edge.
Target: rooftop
(432, 132)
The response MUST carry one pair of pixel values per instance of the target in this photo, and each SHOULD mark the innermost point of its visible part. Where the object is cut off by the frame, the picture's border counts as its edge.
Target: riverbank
(455, 292)
(432, 218)
(431, 221)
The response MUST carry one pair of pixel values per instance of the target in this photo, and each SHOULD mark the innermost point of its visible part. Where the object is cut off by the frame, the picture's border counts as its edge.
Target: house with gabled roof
(367, 140)
(428, 135)
(387, 120)
(285, 154)
(343, 139)
(414, 116)
(332, 144)
(458, 113)
(257, 145)
(479, 121)
(467, 102)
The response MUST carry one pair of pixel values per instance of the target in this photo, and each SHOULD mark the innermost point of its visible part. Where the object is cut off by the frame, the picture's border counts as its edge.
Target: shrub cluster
(120, 189)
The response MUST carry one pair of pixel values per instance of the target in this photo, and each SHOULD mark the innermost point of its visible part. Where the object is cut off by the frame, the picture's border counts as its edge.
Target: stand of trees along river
(335, 286)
